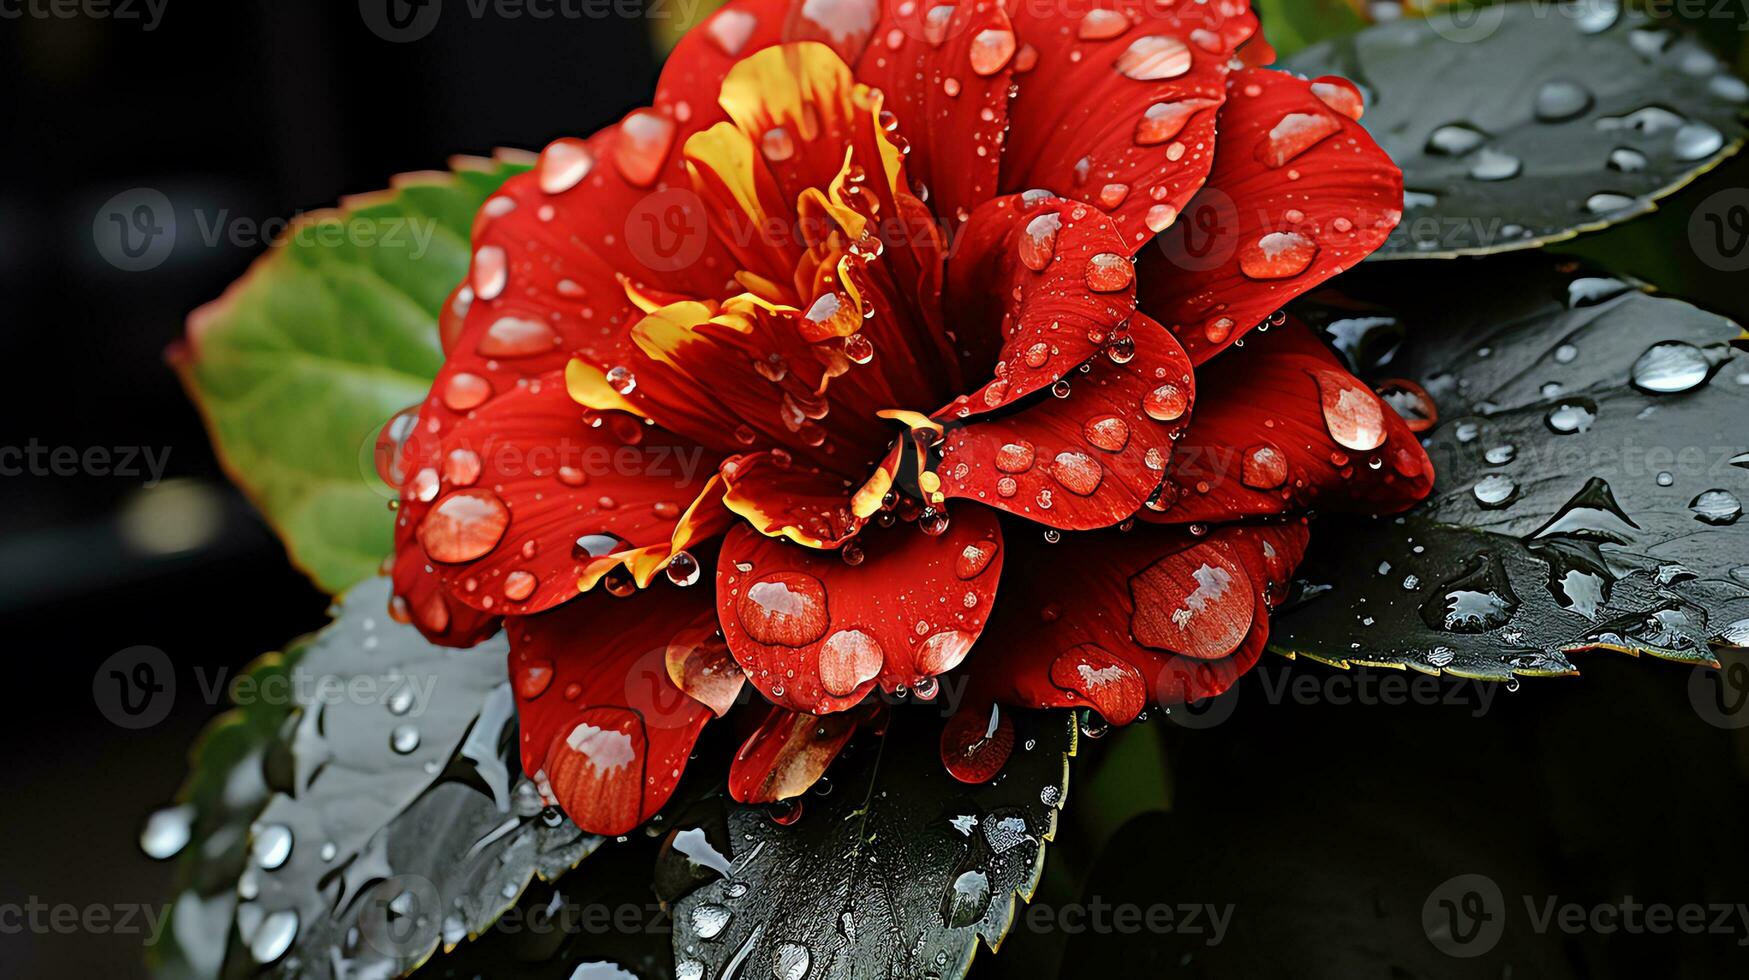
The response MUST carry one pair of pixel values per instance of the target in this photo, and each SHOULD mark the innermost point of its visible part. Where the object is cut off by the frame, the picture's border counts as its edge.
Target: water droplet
(1038, 241)
(1015, 457)
(1572, 416)
(1477, 601)
(563, 164)
(1277, 255)
(1455, 140)
(1716, 507)
(967, 900)
(1108, 432)
(1495, 490)
(1608, 202)
(849, 659)
(1697, 141)
(1154, 57)
(1263, 468)
(990, 50)
(274, 936)
(465, 390)
(1561, 99)
(1670, 367)
(1079, 473)
(167, 832)
(1102, 25)
(404, 739)
(1626, 160)
(1109, 272)
(785, 608)
(777, 145)
(974, 558)
(709, 920)
(790, 962)
(1491, 164)
(514, 336)
(1352, 414)
(464, 526)
(682, 569)
(1166, 403)
(1501, 455)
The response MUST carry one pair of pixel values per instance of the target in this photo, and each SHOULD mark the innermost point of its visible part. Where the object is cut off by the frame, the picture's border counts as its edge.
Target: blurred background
(1325, 824)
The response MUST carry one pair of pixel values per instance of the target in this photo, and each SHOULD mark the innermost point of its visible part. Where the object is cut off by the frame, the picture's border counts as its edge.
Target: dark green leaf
(897, 871)
(1591, 459)
(1524, 123)
(388, 815)
(1293, 24)
(333, 331)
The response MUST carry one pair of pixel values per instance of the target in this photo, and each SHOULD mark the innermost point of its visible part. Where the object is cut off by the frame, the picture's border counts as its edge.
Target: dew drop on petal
(848, 659)
(489, 273)
(1079, 473)
(785, 608)
(1038, 241)
(641, 148)
(513, 336)
(943, 651)
(464, 391)
(1154, 57)
(1277, 255)
(1296, 133)
(563, 164)
(990, 50)
(1109, 272)
(1263, 468)
(464, 526)
(1352, 414)
(1108, 432)
(974, 558)
(1102, 25)
(1166, 403)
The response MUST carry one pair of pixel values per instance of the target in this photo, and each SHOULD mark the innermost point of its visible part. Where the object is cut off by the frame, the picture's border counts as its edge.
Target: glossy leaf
(299, 364)
(1591, 462)
(1521, 124)
(387, 815)
(898, 870)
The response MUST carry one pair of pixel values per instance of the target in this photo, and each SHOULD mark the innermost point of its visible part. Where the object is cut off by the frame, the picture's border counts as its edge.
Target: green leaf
(361, 811)
(898, 871)
(1293, 24)
(1526, 123)
(329, 334)
(1591, 461)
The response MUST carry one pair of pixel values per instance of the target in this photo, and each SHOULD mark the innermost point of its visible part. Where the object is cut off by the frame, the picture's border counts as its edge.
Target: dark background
(1327, 825)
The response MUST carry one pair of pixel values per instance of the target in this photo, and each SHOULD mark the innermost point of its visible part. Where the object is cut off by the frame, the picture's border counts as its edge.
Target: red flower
(877, 300)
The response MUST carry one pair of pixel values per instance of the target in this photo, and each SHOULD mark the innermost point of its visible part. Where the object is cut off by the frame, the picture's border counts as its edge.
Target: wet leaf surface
(1525, 123)
(898, 870)
(382, 817)
(342, 315)
(1592, 459)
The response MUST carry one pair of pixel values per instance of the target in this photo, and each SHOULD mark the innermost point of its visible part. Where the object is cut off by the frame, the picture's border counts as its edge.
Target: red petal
(524, 498)
(794, 500)
(1282, 427)
(1125, 618)
(1043, 281)
(1119, 110)
(815, 632)
(605, 733)
(1090, 459)
(946, 70)
(1299, 192)
(790, 751)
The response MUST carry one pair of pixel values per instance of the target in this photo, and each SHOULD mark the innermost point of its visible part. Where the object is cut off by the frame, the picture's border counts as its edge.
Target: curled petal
(790, 751)
(1281, 427)
(605, 732)
(1154, 616)
(1299, 192)
(1090, 458)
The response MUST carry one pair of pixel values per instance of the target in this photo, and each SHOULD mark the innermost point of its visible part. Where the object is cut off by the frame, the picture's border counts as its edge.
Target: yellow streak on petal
(587, 386)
